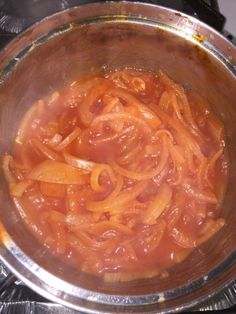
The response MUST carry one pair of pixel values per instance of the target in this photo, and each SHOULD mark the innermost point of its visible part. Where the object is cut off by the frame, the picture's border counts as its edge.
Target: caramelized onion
(57, 172)
(18, 189)
(126, 174)
(128, 118)
(158, 204)
(78, 162)
(116, 203)
(70, 138)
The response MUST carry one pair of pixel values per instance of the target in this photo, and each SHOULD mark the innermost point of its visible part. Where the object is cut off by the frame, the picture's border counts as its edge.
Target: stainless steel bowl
(110, 35)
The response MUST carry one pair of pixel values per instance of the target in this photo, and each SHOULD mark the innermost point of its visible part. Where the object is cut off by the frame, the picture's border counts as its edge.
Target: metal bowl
(110, 35)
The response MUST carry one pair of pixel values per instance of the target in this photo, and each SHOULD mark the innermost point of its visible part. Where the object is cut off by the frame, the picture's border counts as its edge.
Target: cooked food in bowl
(121, 173)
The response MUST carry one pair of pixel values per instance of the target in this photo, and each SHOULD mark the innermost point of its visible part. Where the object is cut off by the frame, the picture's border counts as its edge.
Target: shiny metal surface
(108, 35)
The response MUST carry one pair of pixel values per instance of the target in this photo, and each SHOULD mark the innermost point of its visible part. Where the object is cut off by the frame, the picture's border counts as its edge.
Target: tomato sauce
(121, 174)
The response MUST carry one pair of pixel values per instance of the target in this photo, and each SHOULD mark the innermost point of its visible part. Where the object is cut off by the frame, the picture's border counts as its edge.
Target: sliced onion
(117, 189)
(78, 162)
(145, 113)
(181, 255)
(186, 137)
(164, 101)
(51, 100)
(86, 115)
(54, 215)
(205, 196)
(103, 226)
(215, 127)
(45, 150)
(211, 227)
(182, 239)
(58, 172)
(69, 139)
(145, 175)
(55, 140)
(139, 123)
(202, 172)
(114, 136)
(18, 189)
(177, 153)
(92, 261)
(52, 189)
(95, 175)
(138, 84)
(175, 105)
(152, 235)
(129, 156)
(160, 132)
(160, 202)
(214, 159)
(131, 275)
(117, 203)
(170, 84)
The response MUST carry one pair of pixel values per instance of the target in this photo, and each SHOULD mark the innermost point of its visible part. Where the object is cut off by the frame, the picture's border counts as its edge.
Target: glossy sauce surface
(121, 174)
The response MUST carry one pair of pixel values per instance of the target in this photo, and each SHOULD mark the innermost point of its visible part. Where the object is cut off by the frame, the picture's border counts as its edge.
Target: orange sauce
(121, 174)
